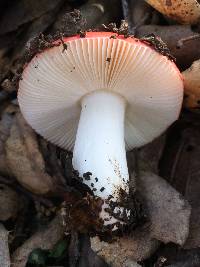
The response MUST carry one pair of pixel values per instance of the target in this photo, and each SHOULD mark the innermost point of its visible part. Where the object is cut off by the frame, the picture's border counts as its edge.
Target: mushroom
(183, 11)
(101, 96)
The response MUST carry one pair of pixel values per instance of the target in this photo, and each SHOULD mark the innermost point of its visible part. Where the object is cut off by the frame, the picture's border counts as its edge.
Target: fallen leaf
(25, 160)
(136, 246)
(169, 212)
(192, 86)
(185, 12)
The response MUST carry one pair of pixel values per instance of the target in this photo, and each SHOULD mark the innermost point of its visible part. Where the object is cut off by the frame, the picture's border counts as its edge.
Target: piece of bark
(9, 203)
(25, 160)
(169, 213)
(4, 250)
(136, 246)
(172, 35)
(44, 239)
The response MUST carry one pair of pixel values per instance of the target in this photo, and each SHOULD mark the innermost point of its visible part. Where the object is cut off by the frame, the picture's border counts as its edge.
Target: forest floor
(38, 186)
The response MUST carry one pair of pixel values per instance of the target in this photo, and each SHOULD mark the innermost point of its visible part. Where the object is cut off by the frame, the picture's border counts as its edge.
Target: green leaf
(38, 257)
(59, 250)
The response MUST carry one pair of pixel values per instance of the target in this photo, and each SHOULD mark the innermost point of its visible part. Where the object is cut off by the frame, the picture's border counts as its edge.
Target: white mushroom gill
(100, 147)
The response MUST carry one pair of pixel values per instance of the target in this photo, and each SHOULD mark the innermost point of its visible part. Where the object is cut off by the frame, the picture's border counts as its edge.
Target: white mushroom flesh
(100, 147)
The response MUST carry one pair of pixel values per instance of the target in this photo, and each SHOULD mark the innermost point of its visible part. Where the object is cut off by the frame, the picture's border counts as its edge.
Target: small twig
(181, 42)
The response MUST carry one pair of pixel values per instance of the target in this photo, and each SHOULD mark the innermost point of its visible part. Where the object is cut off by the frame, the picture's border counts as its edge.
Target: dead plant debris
(45, 210)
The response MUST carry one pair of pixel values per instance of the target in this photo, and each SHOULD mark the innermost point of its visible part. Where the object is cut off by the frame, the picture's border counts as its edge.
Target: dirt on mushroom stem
(81, 208)
(83, 213)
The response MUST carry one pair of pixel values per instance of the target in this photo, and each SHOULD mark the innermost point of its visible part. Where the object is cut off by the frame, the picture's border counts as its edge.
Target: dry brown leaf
(137, 246)
(183, 11)
(25, 160)
(192, 85)
(169, 213)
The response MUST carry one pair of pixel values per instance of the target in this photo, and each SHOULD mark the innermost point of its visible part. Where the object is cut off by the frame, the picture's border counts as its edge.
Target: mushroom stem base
(99, 149)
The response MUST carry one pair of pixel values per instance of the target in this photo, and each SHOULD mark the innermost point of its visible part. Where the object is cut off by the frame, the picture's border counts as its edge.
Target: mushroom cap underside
(55, 81)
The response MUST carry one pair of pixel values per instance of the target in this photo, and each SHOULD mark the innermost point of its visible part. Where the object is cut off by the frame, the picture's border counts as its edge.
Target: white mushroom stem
(100, 147)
